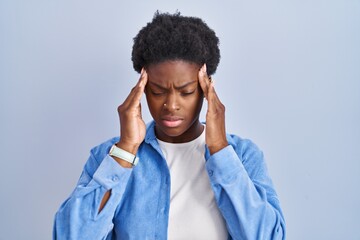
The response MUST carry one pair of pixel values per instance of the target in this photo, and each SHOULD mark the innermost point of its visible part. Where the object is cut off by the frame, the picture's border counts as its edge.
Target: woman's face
(175, 98)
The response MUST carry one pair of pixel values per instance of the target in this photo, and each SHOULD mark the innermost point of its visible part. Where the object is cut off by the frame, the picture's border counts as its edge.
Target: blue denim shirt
(138, 207)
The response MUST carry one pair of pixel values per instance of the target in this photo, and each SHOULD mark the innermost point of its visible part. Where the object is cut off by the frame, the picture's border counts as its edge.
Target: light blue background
(289, 77)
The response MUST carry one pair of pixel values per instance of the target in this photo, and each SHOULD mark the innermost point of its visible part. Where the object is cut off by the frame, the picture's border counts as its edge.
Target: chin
(172, 132)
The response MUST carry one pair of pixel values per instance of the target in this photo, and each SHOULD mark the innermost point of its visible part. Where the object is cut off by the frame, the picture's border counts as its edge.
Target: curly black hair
(176, 37)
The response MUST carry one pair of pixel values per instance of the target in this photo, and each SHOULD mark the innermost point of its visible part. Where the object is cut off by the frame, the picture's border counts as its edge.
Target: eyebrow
(177, 88)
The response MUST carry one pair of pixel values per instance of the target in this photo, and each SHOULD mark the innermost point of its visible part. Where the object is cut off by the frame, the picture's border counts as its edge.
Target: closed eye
(187, 93)
(156, 93)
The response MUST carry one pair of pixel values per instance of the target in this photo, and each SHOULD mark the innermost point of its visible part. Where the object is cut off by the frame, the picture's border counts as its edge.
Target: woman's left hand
(215, 115)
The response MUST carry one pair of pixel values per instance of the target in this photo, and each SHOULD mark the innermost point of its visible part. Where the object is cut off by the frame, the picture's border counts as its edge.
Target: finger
(213, 99)
(136, 92)
(139, 90)
(142, 80)
(212, 93)
(140, 112)
(203, 80)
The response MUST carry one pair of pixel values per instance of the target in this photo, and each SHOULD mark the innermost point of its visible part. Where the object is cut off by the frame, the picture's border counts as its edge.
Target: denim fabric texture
(139, 204)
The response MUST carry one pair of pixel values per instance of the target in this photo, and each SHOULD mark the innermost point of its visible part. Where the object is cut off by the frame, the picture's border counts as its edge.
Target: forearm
(248, 203)
(123, 163)
(78, 217)
(86, 210)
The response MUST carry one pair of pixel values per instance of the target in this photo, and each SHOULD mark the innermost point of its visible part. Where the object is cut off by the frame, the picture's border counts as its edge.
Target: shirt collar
(150, 132)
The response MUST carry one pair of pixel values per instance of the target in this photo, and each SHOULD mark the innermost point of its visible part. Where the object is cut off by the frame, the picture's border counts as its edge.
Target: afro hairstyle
(176, 37)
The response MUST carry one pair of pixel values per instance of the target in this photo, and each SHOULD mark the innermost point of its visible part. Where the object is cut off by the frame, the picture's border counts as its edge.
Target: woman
(175, 178)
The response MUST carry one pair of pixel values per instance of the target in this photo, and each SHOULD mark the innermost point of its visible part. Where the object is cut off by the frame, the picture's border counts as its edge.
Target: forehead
(176, 72)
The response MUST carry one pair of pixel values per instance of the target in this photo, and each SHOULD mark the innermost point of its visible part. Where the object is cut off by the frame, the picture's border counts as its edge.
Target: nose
(172, 102)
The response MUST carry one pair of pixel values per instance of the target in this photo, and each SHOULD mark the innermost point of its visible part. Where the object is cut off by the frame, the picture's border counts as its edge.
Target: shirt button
(115, 178)
(211, 172)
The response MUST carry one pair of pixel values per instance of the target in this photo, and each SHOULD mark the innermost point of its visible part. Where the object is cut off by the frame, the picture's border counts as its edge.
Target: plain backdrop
(289, 77)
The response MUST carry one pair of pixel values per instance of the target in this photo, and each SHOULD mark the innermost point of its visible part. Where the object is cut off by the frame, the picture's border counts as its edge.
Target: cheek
(196, 104)
(155, 106)
(151, 104)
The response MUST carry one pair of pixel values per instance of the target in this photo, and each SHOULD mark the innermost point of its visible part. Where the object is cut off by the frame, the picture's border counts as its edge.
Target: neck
(190, 134)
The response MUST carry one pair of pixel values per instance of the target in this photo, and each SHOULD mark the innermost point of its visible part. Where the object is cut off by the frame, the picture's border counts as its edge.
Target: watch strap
(124, 155)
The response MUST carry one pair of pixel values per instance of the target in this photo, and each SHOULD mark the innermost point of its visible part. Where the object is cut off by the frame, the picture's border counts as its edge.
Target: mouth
(171, 121)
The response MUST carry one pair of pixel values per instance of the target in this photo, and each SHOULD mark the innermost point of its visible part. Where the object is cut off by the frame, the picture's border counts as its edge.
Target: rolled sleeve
(223, 165)
(110, 173)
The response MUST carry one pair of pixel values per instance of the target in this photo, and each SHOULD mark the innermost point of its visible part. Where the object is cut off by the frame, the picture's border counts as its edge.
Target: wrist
(124, 154)
(122, 162)
(131, 148)
(215, 148)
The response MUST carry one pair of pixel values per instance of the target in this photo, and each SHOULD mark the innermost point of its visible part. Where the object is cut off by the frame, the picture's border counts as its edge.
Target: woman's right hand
(132, 126)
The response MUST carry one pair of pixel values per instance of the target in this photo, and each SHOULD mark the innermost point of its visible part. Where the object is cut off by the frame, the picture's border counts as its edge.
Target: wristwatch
(124, 155)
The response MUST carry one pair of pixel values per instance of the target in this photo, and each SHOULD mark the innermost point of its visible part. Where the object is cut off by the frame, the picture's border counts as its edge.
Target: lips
(171, 121)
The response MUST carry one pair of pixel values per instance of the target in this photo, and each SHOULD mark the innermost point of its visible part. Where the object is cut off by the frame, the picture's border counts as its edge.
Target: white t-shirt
(193, 210)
